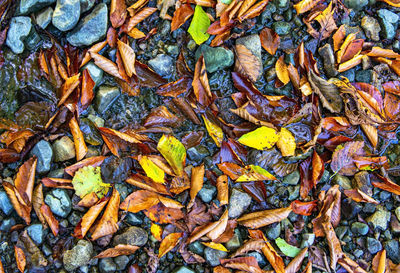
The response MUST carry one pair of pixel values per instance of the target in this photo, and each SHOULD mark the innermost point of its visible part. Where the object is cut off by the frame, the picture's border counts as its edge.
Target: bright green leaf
(87, 180)
(174, 152)
(199, 25)
(260, 138)
(288, 250)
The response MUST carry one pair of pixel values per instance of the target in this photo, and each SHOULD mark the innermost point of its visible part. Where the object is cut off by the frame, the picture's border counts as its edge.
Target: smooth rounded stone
(107, 265)
(371, 27)
(7, 224)
(162, 64)
(134, 219)
(59, 202)
(57, 173)
(66, 14)
(379, 219)
(86, 5)
(282, 4)
(328, 58)
(121, 262)
(36, 232)
(96, 120)
(273, 231)
(389, 22)
(373, 245)
(197, 248)
(122, 189)
(19, 29)
(396, 211)
(74, 218)
(292, 178)
(29, 6)
(261, 260)
(364, 76)
(359, 228)
(212, 256)
(78, 256)
(207, 193)
(95, 72)
(183, 269)
(64, 149)
(43, 18)
(308, 240)
(281, 28)
(343, 181)
(132, 236)
(215, 58)
(198, 153)
(252, 43)
(238, 203)
(90, 29)
(105, 97)
(355, 4)
(294, 192)
(392, 248)
(44, 153)
(5, 203)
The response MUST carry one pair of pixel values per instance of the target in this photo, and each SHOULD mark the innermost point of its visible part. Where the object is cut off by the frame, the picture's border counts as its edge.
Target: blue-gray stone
(107, 265)
(43, 18)
(19, 29)
(36, 232)
(7, 224)
(162, 64)
(95, 72)
(5, 203)
(292, 178)
(261, 260)
(59, 202)
(66, 14)
(281, 28)
(274, 231)
(197, 248)
(238, 203)
(373, 245)
(133, 219)
(392, 250)
(183, 269)
(86, 5)
(212, 256)
(207, 193)
(121, 262)
(389, 22)
(355, 4)
(215, 58)
(380, 219)
(64, 149)
(359, 228)
(308, 240)
(198, 153)
(29, 6)
(105, 97)
(44, 153)
(90, 29)
(132, 236)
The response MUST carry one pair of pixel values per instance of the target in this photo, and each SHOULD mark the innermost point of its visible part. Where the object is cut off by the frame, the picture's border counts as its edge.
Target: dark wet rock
(90, 29)
(328, 59)
(162, 64)
(86, 5)
(66, 14)
(198, 153)
(197, 248)
(107, 265)
(371, 27)
(392, 248)
(294, 192)
(43, 18)
(183, 269)
(341, 231)
(90, 132)
(36, 232)
(389, 22)
(5, 203)
(121, 262)
(132, 236)
(355, 4)
(281, 28)
(105, 97)
(7, 224)
(74, 218)
(273, 231)
(343, 181)
(207, 193)
(122, 189)
(134, 219)
(64, 149)
(115, 170)
(350, 209)
(212, 256)
(364, 76)
(59, 202)
(261, 260)
(267, 13)
(292, 178)
(29, 6)
(78, 256)
(238, 203)
(44, 154)
(216, 58)
(379, 219)
(19, 29)
(95, 72)
(234, 242)
(359, 228)
(373, 245)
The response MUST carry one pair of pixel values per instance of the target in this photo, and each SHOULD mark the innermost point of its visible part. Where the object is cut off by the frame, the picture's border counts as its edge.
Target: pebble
(261, 260)
(90, 29)
(281, 28)
(379, 219)
(183, 269)
(396, 212)
(207, 193)
(215, 58)
(134, 219)
(29, 6)
(197, 248)
(19, 29)
(234, 242)
(308, 240)
(105, 97)
(5, 203)
(59, 202)
(328, 59)
(373, 245)
(132, 236)
(359, 228)
(371, 27)
(252, 43)
(107, 265)
(212, 256)
(78, 256)
(36, 232)
(86, 5)
(95, 73)
(292, 178)
(197, 153)
(364, 76)
(238, 203)
(44, 153)
(355, 4)
(121, 262)
(6, 224)
(343, 181)
(64, 149)
(66, 14)
(274, 231)
(43, 18)
(389, 22)
(162, 64)
(392, 248)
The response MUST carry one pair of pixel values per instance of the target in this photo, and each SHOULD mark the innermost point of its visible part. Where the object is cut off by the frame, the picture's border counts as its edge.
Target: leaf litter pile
(138, 187)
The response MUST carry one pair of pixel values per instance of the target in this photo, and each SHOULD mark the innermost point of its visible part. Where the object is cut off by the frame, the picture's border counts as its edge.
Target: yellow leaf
(151, 169)
(286, 142)
(282, 71)
(168, 243)
(156, 231)
(215, 246)
(214, 131)
(255, 173)
(260, 138)
(174, 152)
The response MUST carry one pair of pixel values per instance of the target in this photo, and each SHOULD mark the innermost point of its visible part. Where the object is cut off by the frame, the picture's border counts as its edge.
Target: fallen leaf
(87, 89)
(359, 196)
(118, 13)
(305, 5)
(94, 161)
(80, 145)
(168, 243)
(116, 251)
(199, 25)
(50, 219)
(255, 173)
(61, 183)
(68, 87)
(128, 57)
(138, 17)
(295, 265)
(282, 70)
(303, 208)
(181, 15)
(37, 202)
(156, 231)
(219, 229)
(106, 65)
(89, 218)
(269, 40)
(196, 183)
(214, 131)
(151, 169)
(326, 21)
(263, 218)
(20, 258)
(222, 190)
(342, 159)
(287, 249)
(216, 246)
(246, 264)
(261, 138)
(286, 142)
(174, 152)
(247, 63)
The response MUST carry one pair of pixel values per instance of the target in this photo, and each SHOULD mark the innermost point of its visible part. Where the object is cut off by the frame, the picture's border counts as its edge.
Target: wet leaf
(261, 138)
(89, 218)
(61, 183)
(327, 24)
(138, 17)
(68, 87)
(214, 131)
(174, 152)
(216, 246)
(89, 200)
(196, 182)
(164, 215)
(385, 184)
(80, 145)
(303, 208)
(106, 65)
(255, 173)
(37, 202)
(128, 57)
(139, 200)
(20, 258)
(87, 89)
(200, 83)
(199, 25)
(287, 249)
(247, 63)
(342, 159)
(181, 15)
(359, 196)
(282, 70)
(286, 143)
(156, 231)
(219, 229)
(94, 161)
(295, 265)
(263, 218)
(328, 93)
(168, 243)
(305, 5)
(116, 251)
(8, 156)
(222, 190)
(151, 169)
(269, 40)
(160, 116)
(87, 180)
(50, 219)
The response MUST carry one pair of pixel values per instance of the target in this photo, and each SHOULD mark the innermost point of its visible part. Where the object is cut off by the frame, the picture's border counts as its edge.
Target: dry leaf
(80, 145)
(128, 57)
(223, 190)
(88, 219)
(359, 196)
(20, 258)
(118, 13)
(50, 219)
(219, 229)
(295, 265)
(282, 70)
(116, 251)
(168, 243)
(247, 64)
(305, 5)
(106, 65)
(263, 218)
(196, 182)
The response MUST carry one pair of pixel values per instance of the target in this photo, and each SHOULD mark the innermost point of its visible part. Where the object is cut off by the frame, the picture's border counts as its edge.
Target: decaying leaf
(128, 57)
(263, 218)
(270, 40)
(116, 251)
(168, 243)
(174, 152)
(247, 63)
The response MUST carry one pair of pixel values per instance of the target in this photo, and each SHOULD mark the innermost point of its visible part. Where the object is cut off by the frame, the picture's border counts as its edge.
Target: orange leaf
(263, 218)
(80, 145)
(87, 89)
(8, 156)
(106, 65)
(118, 13)
(269, 40)
(168, 243)
(303, 208)
(128, 57)
(139, 17)
(37, 201)
(88, 219)
(139, 200)
(156, 231)
(50, 219)
(305, 5)
(94, 161)
(181, 15)
(200, 83)
(24, 182)
(163, 215)
(61, 183)
(116, 251)
(295, 265)
(359, 196)
(246, 264)
(219, 228)
(386, 184)
(394, 3)
(247, 63)
(196, 183)
(95, 49)
(68, 87)
(89, 200)
(223, 190)
(22, 209)
(20, 258)
(282, 71)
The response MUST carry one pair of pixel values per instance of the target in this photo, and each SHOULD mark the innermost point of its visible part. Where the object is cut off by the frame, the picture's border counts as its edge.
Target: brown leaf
(246, 264)
(139, 17)
(22, 209)
(108, 223)
(168, 243)
(147, 77)
(282, 70)
(163, 215)
(113, 138)
(146, 183)
(61, 183)
(221, 269)
(246, 63)
(160, 116)
(232, 170)
(196, 183)
(174, 89)
(311, 171)
(303, 208)
(295, 265)
(80, 145)
(89, 200)
(223, 190)
(37, 202)
(116, 251)
(200, 83)
(334, 245)
(112, 37)
(386, 184)
(94, 48)
(68, 87)
(343, 158)
(50, 219)
(8, 156)
(254, 11)
(326, 21)
(379, 263)
(128, 57)
(250, 245)
(87, 89)
(305, 5)
(269, 40)
(201, 231)
(220, 228)
(263, 218)
(20, 258)
(94, 161)
(140, 200)
(106, 65)
(359, 196)
(118, 13)
(350, 265)
(181, 15)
